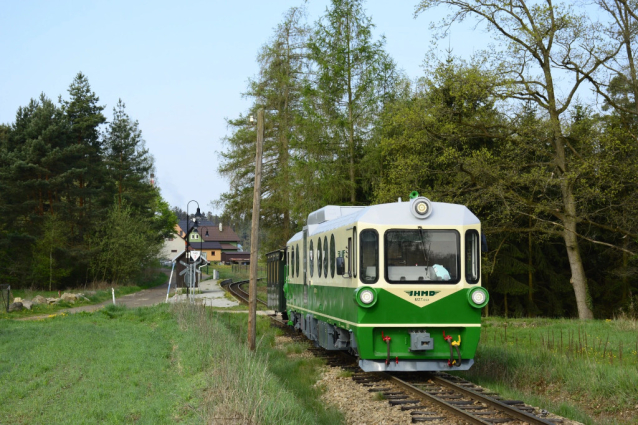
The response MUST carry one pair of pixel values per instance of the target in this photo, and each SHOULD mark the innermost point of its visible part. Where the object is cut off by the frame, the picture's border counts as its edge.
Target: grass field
(584, 370)
(152, 366)
(95, 294)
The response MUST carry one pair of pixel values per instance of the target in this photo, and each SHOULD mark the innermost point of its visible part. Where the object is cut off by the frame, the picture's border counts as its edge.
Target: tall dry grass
(237, 385)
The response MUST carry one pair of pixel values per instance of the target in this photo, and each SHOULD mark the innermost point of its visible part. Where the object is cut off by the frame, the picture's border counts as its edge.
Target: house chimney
(220, 227)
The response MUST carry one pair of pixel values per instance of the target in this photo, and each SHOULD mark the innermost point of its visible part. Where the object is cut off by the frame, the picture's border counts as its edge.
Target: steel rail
(236, 290)
(441, 403)
(475, 395)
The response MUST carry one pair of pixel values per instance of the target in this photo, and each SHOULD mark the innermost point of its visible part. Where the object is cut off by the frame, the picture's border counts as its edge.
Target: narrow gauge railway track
(235, 289)
(415, 391)
(460, 398)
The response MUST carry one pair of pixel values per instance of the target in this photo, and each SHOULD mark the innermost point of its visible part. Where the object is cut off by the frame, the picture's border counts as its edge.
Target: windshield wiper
(426, 253)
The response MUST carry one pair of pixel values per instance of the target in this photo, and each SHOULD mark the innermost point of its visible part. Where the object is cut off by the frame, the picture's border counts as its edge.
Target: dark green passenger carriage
(276, 278)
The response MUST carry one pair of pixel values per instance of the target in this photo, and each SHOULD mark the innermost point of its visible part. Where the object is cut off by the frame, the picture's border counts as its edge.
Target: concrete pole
(254, 235)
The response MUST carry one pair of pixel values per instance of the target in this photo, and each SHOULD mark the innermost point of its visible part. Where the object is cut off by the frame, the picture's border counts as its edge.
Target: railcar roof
(396, 213)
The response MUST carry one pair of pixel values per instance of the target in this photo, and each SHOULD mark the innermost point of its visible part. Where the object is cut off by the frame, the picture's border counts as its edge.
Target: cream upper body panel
(342, 220)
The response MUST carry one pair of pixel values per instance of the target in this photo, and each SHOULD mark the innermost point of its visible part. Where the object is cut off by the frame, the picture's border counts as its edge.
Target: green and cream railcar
(396, 284)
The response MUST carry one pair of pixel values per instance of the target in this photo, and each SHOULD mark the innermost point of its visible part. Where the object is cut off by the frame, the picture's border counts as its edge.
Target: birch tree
(543, 42)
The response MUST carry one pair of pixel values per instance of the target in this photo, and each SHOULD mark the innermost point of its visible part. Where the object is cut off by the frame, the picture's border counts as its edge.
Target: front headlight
(365, 297)
(478, 297)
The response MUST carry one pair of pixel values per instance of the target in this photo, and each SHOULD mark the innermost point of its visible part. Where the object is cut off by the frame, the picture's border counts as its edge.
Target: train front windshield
(422, 256)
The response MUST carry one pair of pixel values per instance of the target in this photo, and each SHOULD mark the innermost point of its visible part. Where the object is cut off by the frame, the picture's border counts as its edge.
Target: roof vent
(220, 227)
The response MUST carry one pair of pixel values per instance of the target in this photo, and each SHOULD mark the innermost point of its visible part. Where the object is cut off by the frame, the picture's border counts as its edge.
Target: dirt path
(143, 298)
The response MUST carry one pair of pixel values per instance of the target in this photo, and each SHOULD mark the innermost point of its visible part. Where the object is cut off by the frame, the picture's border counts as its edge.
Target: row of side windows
(369, 257)
(325, 259)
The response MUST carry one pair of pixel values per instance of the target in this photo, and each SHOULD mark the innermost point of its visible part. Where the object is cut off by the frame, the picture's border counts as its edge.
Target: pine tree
(85, 117)
(128, 161)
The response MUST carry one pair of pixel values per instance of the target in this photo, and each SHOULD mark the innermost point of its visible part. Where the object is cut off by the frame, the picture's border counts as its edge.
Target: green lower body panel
(393, 334)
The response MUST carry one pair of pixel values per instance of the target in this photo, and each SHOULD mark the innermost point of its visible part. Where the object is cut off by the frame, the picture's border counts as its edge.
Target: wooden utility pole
(254, 235)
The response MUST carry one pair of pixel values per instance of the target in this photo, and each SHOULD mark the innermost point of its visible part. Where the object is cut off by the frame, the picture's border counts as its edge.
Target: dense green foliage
(155, 365)
(76, 203)
(553, 180)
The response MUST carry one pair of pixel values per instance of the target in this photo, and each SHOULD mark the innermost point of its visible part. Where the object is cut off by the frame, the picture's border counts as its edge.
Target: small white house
(172, 247)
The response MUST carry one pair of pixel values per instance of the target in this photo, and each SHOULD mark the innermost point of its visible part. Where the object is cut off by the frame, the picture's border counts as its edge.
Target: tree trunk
(350, 122)
(569, 214)
(630, 55)
(50, 267)
(578, 280)
(530, 274)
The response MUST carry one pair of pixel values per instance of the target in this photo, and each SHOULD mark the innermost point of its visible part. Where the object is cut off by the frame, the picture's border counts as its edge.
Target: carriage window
(369, 248)
(422, 256)
(297, 259)
(292, 262)
(326, 254)
(311, 259)
(333, 255)
(472, 256)
(319, 257)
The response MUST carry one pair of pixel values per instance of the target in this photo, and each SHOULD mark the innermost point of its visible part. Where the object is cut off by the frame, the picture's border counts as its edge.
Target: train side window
(333, 255)
(472, 256)
(326, 254)
(297, 259)
(369, 252)
(292, 262)
(311, 258)
(319, 258)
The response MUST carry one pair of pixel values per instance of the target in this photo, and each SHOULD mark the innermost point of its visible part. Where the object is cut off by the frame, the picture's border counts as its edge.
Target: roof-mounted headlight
(421, 207)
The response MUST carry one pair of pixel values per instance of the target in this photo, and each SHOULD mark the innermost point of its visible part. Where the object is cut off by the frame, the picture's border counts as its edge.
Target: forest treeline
(553, 177)
(77, 203)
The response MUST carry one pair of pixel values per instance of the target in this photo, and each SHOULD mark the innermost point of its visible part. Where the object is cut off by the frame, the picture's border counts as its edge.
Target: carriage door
(305, 266)
(351, 254)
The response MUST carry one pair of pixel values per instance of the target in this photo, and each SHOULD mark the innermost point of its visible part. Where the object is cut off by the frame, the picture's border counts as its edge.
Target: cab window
(472, 256)
(369, 256)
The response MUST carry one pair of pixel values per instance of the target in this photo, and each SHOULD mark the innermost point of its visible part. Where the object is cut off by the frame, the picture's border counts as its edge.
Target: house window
(212, 253)
(173, 250)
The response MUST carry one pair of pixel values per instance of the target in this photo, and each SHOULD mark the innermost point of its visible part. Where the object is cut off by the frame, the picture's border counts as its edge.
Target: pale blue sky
(180, 67)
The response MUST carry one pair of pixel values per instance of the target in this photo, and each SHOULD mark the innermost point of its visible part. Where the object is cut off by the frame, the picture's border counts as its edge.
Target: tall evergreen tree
(127, 160)
(279, 89)
(85, 118)
(354, 75)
